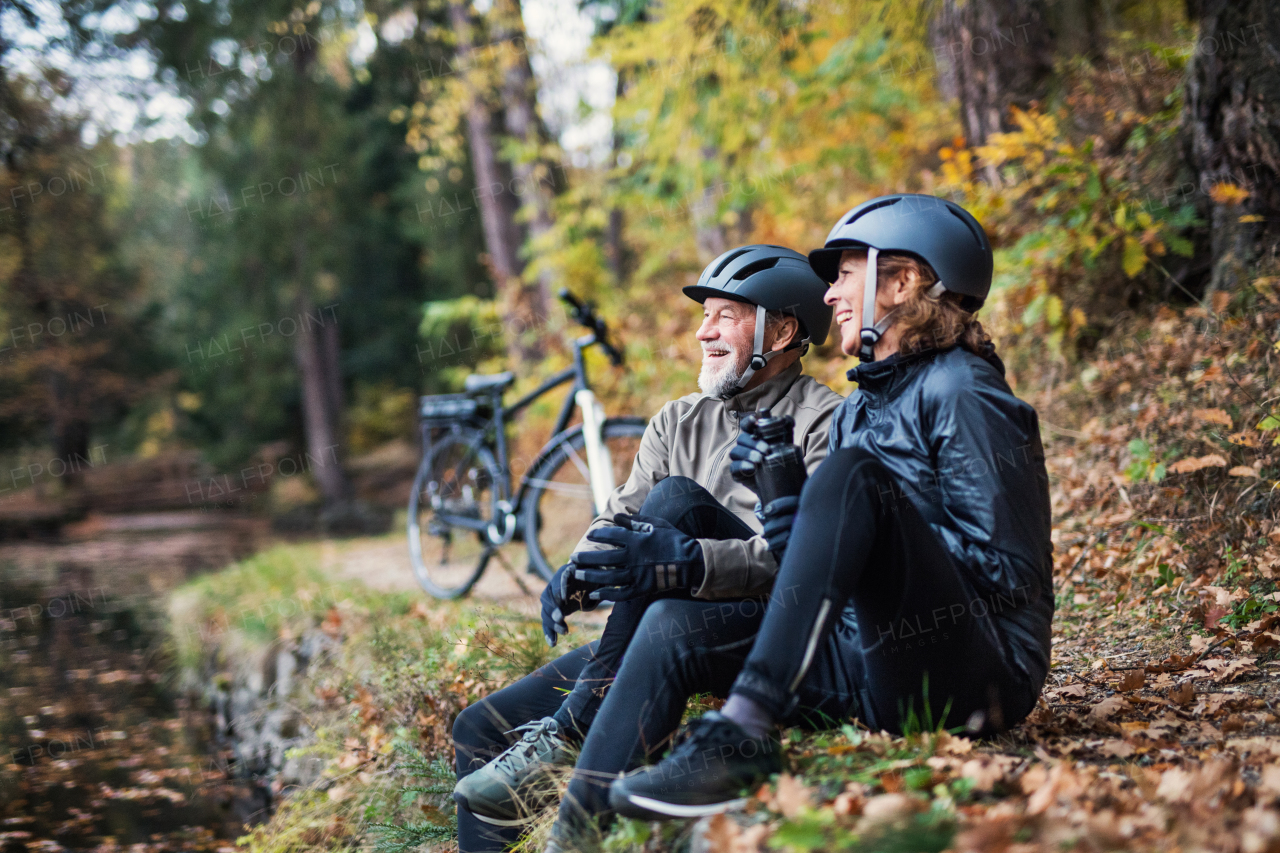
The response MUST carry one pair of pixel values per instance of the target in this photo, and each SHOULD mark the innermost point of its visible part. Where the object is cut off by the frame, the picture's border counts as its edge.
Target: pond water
(99, 751)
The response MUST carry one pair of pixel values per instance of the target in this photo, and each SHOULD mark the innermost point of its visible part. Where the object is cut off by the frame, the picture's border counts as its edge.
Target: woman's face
(845, 297)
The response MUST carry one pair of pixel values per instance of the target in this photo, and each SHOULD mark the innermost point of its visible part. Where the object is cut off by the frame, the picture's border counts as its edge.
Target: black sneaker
(713, 769)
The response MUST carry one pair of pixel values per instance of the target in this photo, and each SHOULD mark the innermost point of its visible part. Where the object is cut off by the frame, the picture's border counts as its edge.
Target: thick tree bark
(1231, 130)
(503, 187)
(991, 54)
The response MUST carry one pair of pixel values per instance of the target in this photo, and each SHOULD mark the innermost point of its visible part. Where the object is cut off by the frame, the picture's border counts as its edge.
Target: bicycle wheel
(459, 482)
(558, 506)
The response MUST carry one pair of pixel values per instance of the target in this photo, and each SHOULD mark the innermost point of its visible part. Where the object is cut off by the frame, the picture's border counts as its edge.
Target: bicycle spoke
(563, 488)
(579, 463)
(448, 552)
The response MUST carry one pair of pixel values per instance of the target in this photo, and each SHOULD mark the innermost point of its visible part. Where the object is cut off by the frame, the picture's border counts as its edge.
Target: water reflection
(99, 752)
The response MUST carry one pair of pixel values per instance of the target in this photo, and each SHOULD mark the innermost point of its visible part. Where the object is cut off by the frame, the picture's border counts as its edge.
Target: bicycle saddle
(477, 382)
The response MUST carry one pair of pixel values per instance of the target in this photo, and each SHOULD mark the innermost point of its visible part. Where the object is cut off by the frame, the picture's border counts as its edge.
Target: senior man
(686, 529)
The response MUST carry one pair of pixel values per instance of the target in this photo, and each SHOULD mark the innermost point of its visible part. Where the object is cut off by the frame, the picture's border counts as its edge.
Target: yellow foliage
(1228, 194)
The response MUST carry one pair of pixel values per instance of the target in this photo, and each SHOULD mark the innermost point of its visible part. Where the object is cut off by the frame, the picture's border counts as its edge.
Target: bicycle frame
(577, 374)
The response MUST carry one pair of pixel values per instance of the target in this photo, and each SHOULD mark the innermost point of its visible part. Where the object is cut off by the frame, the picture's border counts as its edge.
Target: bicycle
(462, 494)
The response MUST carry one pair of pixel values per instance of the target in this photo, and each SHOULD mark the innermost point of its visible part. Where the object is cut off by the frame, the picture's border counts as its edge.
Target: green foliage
(1248, 610)
(77, 319)
(380, 413)
(255, 599)
(927, 832)
(456, 336)
(1145, 465)
(628, 834)
(1083, 198)
(301, 200)
(401, 836)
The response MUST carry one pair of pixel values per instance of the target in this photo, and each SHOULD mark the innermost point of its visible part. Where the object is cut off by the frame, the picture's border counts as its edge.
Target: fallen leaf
(1035, 776)
(1184, 694)
(1244, 439)
(1116, 748)
(1271, 779)
(792, 797)
(721, 834)
(1060, 784)
(1132, 679)
(1228, 671)
(886, 808)
(1200, 643)
(1189, 465)
(1265, 640)
(1213, 416)
(1071, 691)
(1107, 707)
(1243, 471)
(1175, 785)
(987, 770)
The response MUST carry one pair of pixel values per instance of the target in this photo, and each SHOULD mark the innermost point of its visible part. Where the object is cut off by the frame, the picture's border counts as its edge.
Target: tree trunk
(536, 178)
(316, 351)
(616, 253)
(1231, 131)
(504, 236)
(332, 361)
(320, 420)
(991, 54)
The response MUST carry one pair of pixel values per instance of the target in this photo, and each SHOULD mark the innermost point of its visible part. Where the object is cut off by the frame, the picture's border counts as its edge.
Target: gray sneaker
(511, 789)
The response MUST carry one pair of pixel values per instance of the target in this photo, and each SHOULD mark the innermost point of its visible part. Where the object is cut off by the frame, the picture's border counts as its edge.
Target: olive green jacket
(691, 437)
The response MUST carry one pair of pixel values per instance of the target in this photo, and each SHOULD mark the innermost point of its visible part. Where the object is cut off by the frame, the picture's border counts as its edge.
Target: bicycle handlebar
(585, 314)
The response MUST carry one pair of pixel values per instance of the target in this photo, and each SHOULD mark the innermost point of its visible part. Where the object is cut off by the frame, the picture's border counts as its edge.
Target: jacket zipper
(715, 463)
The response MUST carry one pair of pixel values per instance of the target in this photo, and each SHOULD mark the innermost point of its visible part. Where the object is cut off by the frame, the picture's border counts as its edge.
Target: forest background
(320, 211)
(368, 201)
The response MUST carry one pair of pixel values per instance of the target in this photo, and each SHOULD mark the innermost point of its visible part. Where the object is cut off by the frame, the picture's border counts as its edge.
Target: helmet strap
(759, 358)
(871, 331)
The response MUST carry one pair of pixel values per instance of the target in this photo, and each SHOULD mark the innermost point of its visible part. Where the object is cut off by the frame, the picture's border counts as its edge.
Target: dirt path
(382, 563)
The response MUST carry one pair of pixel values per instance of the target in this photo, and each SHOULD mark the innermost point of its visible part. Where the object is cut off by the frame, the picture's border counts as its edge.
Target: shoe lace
(521, 754)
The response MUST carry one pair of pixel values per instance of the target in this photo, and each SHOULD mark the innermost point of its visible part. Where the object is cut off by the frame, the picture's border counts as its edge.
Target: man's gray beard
(725, 382)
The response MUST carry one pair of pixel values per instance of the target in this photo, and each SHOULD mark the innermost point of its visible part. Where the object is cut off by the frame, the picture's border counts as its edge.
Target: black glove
(653, 556)
(777, 519)
(747, 453)
(563, 596)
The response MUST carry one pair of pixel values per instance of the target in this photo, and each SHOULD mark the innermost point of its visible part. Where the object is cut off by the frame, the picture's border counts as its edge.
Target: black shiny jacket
(967, 453)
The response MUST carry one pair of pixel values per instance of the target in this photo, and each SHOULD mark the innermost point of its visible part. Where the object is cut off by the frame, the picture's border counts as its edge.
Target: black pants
(831, 644)
(857, 542)
(481, 731)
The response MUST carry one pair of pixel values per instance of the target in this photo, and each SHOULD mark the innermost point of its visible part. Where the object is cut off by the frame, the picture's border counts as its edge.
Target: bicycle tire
(549, 547)
(462, 477)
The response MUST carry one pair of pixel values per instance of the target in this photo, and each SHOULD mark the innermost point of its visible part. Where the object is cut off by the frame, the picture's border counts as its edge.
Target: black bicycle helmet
(773, 278)
(937, 231)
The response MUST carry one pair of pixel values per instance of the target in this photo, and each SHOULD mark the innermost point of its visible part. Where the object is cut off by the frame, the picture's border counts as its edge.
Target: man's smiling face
(726, 334)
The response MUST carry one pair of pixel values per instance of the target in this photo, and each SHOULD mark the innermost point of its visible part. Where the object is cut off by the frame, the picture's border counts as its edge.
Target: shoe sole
(493, 821)
(677, 810)
(496, 822)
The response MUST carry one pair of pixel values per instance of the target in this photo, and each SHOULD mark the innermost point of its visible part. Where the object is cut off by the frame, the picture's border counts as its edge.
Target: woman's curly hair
(929, 322)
